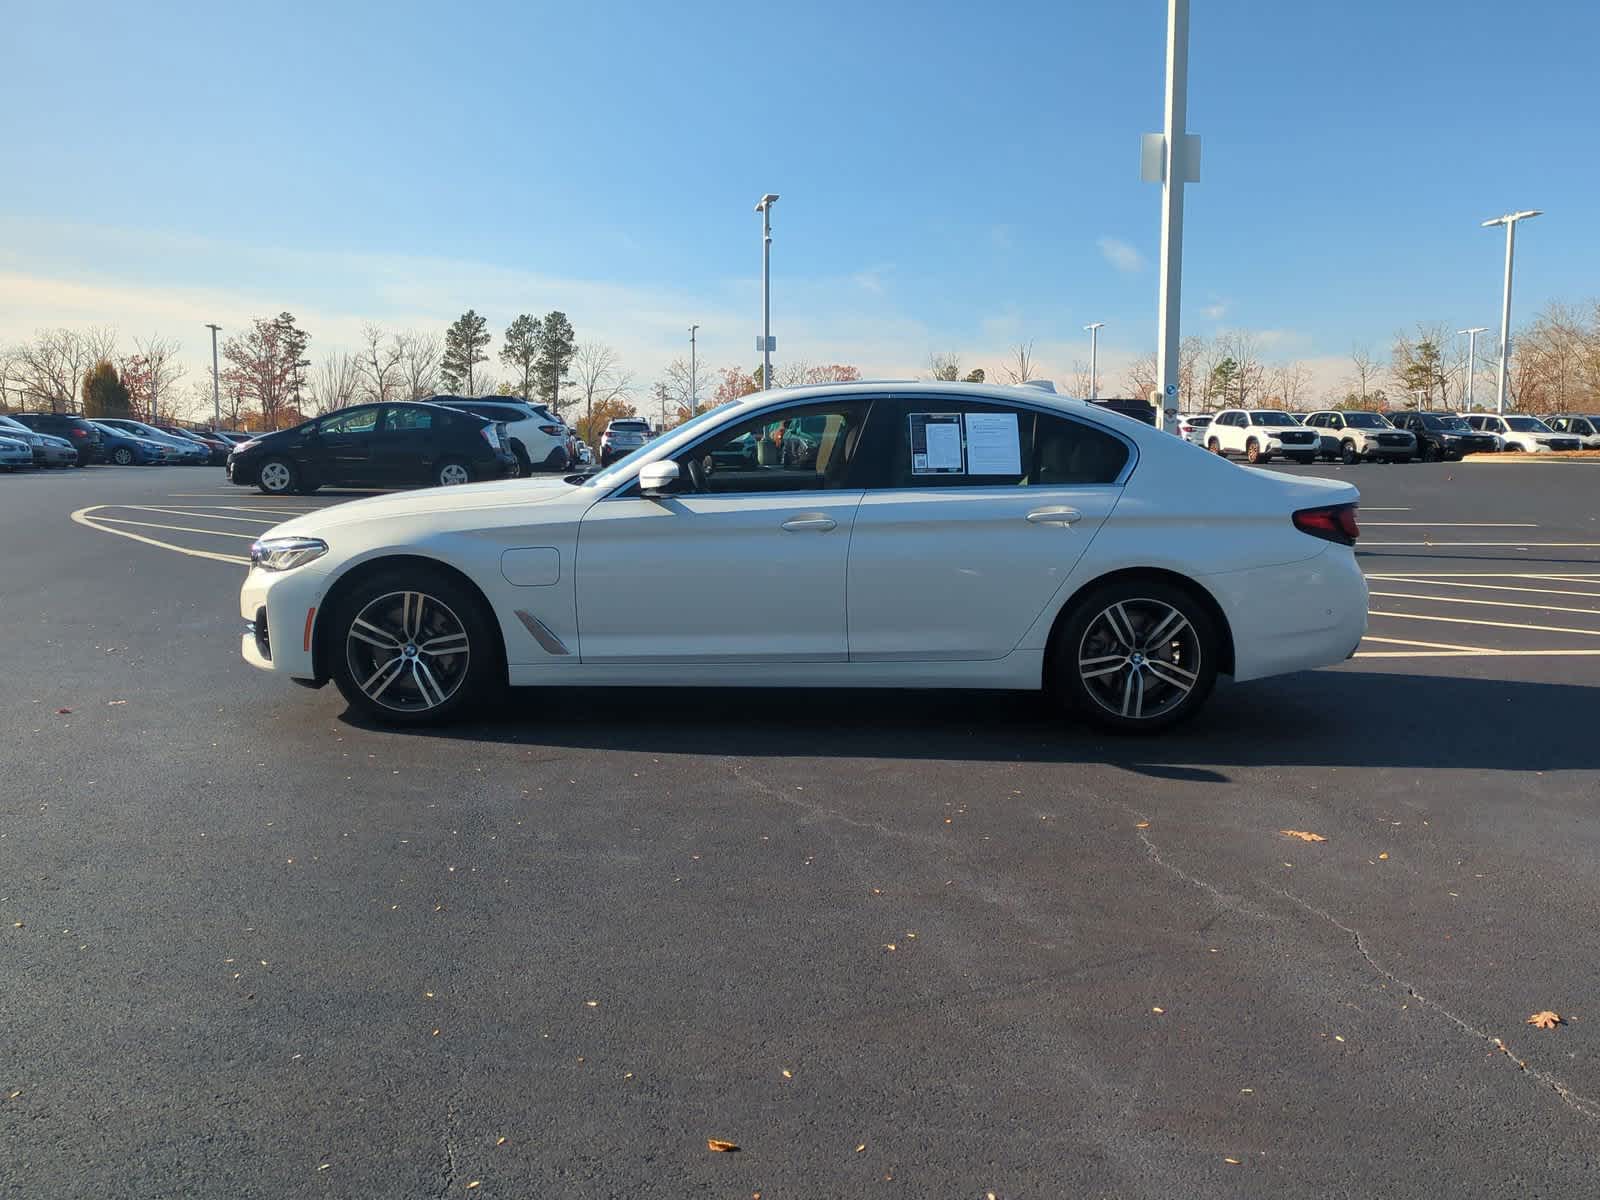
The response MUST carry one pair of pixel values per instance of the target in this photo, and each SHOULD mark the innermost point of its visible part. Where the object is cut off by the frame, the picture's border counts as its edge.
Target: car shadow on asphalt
(1326, 718)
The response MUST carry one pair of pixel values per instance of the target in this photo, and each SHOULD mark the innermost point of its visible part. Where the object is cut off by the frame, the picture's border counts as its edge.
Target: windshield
(1450, 424)
(1272, 417)
(1365, 420)
(1528, 425)
(616, 470)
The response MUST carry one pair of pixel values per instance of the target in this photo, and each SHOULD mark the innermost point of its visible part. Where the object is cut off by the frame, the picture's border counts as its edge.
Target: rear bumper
(1293, 616)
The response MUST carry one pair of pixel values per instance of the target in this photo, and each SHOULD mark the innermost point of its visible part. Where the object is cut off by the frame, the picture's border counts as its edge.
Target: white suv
(1528, 434)
(1586, 428)
(1261, 434)
(1356, 436)
(540, 440)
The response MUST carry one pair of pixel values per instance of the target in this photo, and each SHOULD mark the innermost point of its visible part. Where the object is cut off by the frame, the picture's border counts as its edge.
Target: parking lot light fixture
(216, 389)
(1509, 220)
(693, 399)
(764, 207)
(1472, 357)
(1094, 358)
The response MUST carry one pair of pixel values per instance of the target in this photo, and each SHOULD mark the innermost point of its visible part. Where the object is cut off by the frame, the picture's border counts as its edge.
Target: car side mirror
(658, 479)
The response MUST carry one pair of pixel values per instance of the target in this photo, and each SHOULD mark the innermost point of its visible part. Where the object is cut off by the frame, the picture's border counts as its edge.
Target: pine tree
(465, 343)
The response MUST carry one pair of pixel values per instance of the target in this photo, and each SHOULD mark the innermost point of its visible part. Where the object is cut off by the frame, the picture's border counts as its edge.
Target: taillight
(78, 432)
(1336, 523)
(552, 430)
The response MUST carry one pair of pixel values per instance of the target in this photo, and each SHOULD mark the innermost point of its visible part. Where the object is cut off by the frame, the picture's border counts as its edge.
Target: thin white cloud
(1216, 311)
(1121, 255)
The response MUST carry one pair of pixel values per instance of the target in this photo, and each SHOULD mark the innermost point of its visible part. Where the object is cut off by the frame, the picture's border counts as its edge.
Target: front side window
(1366, 421)
(802, 449)
(404, 420)
(356, 420)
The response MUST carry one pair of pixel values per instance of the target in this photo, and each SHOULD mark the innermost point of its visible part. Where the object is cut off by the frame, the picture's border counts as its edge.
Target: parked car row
(1354, 436)
(53, 440)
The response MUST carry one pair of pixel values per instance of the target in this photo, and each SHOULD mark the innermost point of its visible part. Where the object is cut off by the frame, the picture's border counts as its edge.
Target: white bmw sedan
(912, 535)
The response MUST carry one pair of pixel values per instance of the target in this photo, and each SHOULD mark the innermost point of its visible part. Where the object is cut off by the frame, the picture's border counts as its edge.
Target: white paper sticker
(944, 446)
(992, 444)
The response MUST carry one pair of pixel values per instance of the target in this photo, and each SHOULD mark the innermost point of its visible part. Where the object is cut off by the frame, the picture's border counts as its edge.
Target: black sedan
(375, 445)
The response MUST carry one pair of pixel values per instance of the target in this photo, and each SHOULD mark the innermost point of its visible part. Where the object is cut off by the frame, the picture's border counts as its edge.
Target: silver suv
(623, 436)
(1356, 436)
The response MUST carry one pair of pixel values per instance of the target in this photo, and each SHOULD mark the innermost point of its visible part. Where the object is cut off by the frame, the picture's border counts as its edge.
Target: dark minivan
(84, 435)
(374, 445)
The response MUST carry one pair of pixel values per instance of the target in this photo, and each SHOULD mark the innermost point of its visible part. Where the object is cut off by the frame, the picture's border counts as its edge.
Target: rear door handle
(814, 522)
(1054, 516)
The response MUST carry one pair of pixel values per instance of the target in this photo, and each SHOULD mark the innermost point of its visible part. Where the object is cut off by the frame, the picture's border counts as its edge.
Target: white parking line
(1426, 645)
(1486, 587)
(249, 537)
(179, 512)
(1489, 624)
(1481, 653)
(82, 518)
(291, 512)
(1568, 576)
(1589, 612)
(1511, 545)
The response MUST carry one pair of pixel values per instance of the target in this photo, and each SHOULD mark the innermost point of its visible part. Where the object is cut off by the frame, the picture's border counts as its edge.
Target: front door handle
(813, 522)
(1054, 516)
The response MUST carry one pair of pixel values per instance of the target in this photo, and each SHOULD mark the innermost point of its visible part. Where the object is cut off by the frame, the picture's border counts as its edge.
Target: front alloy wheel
(1137, 657)
(275, 477)
(414, 647)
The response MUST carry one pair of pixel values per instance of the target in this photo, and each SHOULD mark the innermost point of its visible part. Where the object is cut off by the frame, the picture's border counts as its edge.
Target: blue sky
(953, 177)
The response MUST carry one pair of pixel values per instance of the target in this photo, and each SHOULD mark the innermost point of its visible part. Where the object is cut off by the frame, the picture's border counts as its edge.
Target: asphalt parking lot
(929, 945)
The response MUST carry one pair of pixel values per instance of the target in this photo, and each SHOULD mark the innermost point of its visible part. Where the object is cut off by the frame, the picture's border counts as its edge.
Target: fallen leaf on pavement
(1302, 835)
(475, 1183)
(1158, 1010)
(500, 1141)
(63, 712)
(1545, 1020)
(720, 1146)
(1383, 856)
(1142, 825)
(861, 1147)
(788, 1074)
(1231, 1161)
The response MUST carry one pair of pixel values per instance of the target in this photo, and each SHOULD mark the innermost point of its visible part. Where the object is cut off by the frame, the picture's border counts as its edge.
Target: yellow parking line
(1489, 624)
(249, 537)
(1591, 612)
(82, 518)
(1487, 587)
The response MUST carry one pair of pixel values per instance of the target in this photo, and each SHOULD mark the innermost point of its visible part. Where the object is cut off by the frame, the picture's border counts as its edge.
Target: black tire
(1215, 447)
(273, 482)
(1086, 636)
(1348, 454)
(122, 456)
(524, 463)
(452, 472)
(449, 606)
(1431, 452)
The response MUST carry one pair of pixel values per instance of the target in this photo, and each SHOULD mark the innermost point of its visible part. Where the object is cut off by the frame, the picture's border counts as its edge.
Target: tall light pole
(1172, 159)
(1472, 357)
(1509, 220)
(216, 388)
(692, 380)
(299, 365)
(1094, 358)
(764, 207)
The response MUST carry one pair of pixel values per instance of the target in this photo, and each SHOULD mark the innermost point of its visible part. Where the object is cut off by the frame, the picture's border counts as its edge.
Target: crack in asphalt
(450, 1166)
(1579, 1103)
(1229, 903)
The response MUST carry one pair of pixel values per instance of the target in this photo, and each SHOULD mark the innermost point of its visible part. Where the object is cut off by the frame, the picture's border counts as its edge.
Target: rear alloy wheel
(1136, 656)
(452, 473)
(1252, 452)
(122, 456)
(276, 477)
(414, 648)
(1348, 454)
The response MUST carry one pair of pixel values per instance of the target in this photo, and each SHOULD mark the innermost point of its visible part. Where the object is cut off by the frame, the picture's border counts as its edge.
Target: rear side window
(403, 420)
(942, 442)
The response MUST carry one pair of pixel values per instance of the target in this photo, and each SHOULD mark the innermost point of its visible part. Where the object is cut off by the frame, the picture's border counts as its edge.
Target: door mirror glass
(658, 478)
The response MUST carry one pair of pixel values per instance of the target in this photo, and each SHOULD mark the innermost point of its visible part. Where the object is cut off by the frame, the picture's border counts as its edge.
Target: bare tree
(1081, 384)
(419, 363)
(1367, 370)
(50, 368)
(339, 380)
(673, 388)
(946, 366)
(1290, 382)
(598, 374)
(1140, 379)
(382, 377)
(161, 373)
(1019, 367)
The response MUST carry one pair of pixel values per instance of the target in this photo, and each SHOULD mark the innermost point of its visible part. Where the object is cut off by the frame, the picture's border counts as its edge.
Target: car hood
(408, 506)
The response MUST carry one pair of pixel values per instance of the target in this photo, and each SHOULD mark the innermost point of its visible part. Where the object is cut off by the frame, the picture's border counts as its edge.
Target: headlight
(285, 553)
(246, 444)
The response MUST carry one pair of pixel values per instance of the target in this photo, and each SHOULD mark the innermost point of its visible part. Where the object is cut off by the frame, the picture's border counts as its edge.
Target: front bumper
(280, 611)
